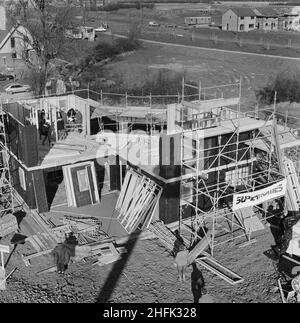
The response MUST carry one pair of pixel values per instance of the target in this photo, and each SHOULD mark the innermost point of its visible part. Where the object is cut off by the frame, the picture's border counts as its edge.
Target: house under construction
(154, 169)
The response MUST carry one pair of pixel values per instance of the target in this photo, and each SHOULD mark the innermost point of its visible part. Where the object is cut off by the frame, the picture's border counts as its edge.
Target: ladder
(293, 186)
(288, 170)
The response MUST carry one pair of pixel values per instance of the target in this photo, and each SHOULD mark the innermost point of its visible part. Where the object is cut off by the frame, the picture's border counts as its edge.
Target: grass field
(121, 21)
(212, 68)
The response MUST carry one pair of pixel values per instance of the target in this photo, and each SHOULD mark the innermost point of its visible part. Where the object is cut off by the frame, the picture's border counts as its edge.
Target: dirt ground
(147, 274)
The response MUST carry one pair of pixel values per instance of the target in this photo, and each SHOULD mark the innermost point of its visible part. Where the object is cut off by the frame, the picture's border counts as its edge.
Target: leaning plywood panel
(137, 201)
(40, 191)
(68, 186)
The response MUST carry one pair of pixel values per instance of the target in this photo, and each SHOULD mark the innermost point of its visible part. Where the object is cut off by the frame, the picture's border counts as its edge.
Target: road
(211, 49)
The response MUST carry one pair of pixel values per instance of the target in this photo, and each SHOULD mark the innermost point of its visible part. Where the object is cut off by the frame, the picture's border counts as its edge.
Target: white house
(12, 45)
(239, 19)
(198, 20)
(295, 19)
(266, 19)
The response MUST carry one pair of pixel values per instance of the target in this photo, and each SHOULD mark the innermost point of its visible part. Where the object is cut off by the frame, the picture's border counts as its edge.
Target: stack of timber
(36, 228)
(86, 229)
(8, 225)
(39, 238)
(166, 236)
(104, 253)
(39, 235)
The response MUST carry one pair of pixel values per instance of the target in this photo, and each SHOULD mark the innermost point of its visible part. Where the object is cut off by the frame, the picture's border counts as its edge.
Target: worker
(274, 219)
(78, 120)
(61, 129)
(197, 283)
(71, 115)
(63, 252)
(46, 132)
(181, 261)
(42, 121)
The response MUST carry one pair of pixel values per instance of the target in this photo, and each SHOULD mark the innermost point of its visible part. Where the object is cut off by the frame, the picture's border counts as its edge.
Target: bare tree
(43, 34)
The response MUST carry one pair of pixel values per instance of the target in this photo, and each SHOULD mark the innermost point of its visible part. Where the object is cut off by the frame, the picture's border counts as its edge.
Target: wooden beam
(197, 250)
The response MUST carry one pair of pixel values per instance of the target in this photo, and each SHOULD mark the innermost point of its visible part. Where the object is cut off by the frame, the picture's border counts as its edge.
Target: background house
(198, 21)
(266, 19)
(12, 46)
(239, 19)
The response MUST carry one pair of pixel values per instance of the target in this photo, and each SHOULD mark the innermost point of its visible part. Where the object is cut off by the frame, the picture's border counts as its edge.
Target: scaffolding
(221, 156)
(6, 189)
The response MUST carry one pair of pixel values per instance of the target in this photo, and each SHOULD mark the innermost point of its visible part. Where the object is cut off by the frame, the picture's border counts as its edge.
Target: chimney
(3, 19)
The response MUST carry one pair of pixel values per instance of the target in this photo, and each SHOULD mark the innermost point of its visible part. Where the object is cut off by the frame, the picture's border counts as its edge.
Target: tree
(43, 34)
(286, 85)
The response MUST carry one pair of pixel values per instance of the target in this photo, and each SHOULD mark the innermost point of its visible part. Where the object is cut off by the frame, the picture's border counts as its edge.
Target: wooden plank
(281, 291)
(105, 260)
(27, 258)
(4, 248)
(291, 259)
(199, 248)
(34, 244)
(223, 272)
(40, 191)
(47, 270)
(3, 280)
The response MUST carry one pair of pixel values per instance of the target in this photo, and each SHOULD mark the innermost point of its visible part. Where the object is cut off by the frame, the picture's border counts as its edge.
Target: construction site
(203, 174)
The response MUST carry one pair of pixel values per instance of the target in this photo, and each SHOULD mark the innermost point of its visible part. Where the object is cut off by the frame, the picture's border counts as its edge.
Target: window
(22, 178)
(252, 17)
(242, 17)
(83, 180)
(12, 42)
(237, 176)
(14, 55)
(251, 26)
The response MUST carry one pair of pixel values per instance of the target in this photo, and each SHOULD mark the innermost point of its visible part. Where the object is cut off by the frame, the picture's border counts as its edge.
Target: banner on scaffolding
(243, 200)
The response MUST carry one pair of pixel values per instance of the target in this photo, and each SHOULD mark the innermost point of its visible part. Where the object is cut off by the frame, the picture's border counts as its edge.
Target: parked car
(153, 24)
(17, 88)
(100, 29)
(6, 77)
(171, 26)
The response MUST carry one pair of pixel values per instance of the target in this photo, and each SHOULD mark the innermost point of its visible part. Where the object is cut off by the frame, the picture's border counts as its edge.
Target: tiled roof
(243, 12)
(266, 12)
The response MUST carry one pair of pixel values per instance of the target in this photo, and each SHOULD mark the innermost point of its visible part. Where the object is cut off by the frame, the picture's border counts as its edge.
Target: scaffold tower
(217, 163)
(6, 189)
